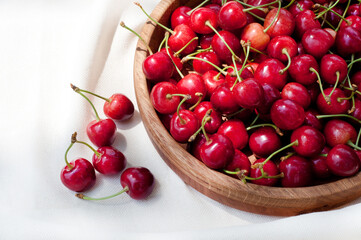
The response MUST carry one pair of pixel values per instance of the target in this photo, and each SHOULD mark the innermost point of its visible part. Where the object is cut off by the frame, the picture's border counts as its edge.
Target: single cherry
(297, 172)
(343, 161)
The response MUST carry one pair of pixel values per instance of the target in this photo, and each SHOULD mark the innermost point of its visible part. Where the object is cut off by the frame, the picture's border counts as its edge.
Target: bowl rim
(218, 186)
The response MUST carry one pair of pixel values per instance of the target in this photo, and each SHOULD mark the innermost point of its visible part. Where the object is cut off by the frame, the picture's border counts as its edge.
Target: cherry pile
(79, 175)
(275, 80)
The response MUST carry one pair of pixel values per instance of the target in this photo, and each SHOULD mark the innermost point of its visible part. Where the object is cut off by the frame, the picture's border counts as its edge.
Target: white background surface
(45, 46)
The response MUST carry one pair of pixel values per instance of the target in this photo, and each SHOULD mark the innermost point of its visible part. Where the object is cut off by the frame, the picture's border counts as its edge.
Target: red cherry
(193, 85)
(317, 42)
(271, 94)
(240, 162)
(337, 104)
(279, 46)
(261, 12)
(181, 36)
(249, 93)
(183, 125)
(217, 152)
(319, 167)
(297, 172)
(223, 100)
(299, 69)
(300, 6)
(312, 120)
(108, 160)
(78, 175)
(212, 79)
(231, 16)
(200, 17)
(202, 66)
(298, 93)
(235, 130)
(119, 107)
(332, 65)
(269, 72)
(270, 168)
(163, 98)
(310, 141)
(101, 132)
(338, 131)
(264, 141)
(254, 33)
(348, 41)
(287, 115)
(180, 16)
(283, 25)
(215, 121)
(221, 49)
(139, 181)
(158, 67)
(343, 161)
(304, 21)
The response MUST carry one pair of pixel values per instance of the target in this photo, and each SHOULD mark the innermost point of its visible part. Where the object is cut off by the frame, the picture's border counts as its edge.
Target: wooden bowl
(220, 187)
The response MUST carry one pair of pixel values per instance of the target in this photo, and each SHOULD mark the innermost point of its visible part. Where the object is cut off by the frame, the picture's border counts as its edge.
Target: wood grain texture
(224, 189)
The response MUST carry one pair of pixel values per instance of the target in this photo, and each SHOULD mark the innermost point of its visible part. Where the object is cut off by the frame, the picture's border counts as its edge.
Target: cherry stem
(338, 115)
(225, 43)
(161, 44)
(294, 143)
(243, 43)
(287, 156)
(73, 140)
(205, 119)
(327, 98)
(168, 53)
(185, 59)
(79, 91)
(200, 98)
(353, 145)
(278, 131)
(235, 113)
(122, 24)
(184, 47)
(195, 8)
(85, 91)
(256, 7)
(254, 120)
(275, 18)
(158, 23)
(256, 16)
(343, 15)
(185, 98)
(334, 87)
(285, 52)
(82, 196)
(358, 137)
(195, 53)
(327, 9)
(86, 144)
(289, 4)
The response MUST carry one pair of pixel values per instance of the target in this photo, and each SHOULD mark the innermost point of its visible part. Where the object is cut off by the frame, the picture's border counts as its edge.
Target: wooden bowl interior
(218, 186)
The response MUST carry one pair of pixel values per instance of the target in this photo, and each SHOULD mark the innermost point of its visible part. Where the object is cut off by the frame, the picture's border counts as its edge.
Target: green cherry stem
(82, 196)
(278, 131)
(184, 47)
(351, 144)
(275, 18)
(294, 143)
(195, 8)
(343, 15)
(122, 24)
(168, 53)
(73, 140)
(335, 86)
(187, 58)
(285, 52)
(338, 115)
(185, 98)
(205, 119)
(358, 137)
(327, 98)
(79, 91)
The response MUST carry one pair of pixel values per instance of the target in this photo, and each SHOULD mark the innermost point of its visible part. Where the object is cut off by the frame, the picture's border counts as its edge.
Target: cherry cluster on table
(276, 80)
(79, 175)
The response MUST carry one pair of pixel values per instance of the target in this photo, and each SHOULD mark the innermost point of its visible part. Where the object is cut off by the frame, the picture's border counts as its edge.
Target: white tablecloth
(45, 46)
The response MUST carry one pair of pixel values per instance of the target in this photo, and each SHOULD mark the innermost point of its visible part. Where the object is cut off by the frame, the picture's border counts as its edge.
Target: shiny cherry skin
(287, 114)
(194, 146)
(212, 79)
(235, 130)
(297, 172)
(139, 180)
(192, 84)
(304, 21)
(109, 161)
(264, 141)
(329, 66)
(299, 69)
(357, 112)
(249, 93)
(80, 177)
(353, 10)
(221, 49)
(202, 67)
(231, 76)
(300, 6)
(162, 97)
(223, 100)
(335, 106)
(319, 165)
(101, 132)
(200, 17)
(268, 71)
(270, 168)
(158, 67)
(317, 42)
(283, 25)
(333, 18)
(215, 121)
(180, 16)
(119, 107)
(182, 35)
(310, 141)
(240, 162)
(352, 21)
(177, 61)
(279, 44)
(261, 12)
(348, 41)
(183, 125)
(343, 161)
(254, 33)
(338, 131)
(205, 40)
(312, 120)
(298, 93)
(218, 152)
(231, 16)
